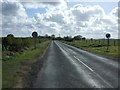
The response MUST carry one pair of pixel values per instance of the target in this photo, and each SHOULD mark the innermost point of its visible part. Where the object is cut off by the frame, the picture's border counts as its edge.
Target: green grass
(0, 51)
(113, 51)
(9, 65)
(0, 74)
(0, 64)
(93, 47)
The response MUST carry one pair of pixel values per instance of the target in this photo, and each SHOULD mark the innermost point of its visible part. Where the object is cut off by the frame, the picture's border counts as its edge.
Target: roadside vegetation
(0, 51)
(18, 56)
(98, 46)
(0, 63)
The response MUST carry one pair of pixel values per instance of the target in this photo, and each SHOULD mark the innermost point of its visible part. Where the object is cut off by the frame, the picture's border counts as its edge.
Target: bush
(15, 44)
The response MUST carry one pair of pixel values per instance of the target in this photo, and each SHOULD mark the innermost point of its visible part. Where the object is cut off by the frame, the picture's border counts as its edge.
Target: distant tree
(53, 36)
(46, 36)
(68, 38)
(83, 38)
(78, 37)
(41, 36)
(10, 35)
(59, 38)
(91, 39)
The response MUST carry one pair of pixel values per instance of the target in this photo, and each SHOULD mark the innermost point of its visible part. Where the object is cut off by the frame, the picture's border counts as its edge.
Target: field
(98, 46)
(21, 61)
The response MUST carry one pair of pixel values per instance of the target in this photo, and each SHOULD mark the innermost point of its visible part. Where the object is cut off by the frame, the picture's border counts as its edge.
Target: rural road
(68, 67)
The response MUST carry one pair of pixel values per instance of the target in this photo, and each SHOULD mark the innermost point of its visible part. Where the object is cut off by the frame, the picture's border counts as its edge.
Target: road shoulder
(28, 71)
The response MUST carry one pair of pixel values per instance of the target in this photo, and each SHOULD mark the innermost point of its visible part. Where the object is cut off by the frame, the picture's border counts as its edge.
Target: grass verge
(0, 51)
(0, 74)
(12, 66)
(102, 50)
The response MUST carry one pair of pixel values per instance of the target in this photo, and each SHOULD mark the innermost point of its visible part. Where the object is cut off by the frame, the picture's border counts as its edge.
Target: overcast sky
(89, 19)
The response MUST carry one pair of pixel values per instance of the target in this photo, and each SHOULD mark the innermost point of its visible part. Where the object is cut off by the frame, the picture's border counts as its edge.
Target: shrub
(15, 44)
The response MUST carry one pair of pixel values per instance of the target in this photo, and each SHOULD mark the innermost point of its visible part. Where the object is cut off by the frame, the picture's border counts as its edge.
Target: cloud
(13, 17)
(55, 17)
(115, 12)
(92, 21)
(54, 4)
(13, 9)
(85, 13)
(88, 21)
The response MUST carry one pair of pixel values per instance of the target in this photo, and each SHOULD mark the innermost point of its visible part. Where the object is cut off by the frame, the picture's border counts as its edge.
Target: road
(66, 66)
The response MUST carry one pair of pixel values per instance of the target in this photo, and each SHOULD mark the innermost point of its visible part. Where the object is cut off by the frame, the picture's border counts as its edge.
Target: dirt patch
(23, 70)
(31, 77)
(27, 71)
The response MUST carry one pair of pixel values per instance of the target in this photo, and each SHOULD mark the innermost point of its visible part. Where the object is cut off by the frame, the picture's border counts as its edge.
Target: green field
(10, 65)
(97, 46)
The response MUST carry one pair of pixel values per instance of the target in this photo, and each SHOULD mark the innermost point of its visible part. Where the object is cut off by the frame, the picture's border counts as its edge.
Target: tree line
(11, 43)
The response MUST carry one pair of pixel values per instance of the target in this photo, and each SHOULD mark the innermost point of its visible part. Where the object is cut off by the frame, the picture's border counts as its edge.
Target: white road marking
(62, 47)
(84, 64)
(93, 71)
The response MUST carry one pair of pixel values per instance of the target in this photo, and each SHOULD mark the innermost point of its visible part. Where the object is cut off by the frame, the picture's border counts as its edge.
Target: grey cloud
(55, 18)
(10, 8)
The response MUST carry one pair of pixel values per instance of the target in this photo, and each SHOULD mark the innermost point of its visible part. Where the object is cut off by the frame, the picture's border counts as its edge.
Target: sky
(89, 19)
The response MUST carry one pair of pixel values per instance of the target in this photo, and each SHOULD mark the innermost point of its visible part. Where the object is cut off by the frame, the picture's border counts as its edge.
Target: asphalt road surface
(68, 67)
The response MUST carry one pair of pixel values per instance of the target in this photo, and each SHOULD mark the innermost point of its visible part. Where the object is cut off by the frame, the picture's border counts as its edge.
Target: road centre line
(84, 64)
(87, 67)
(92, 71)
(61, 47)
